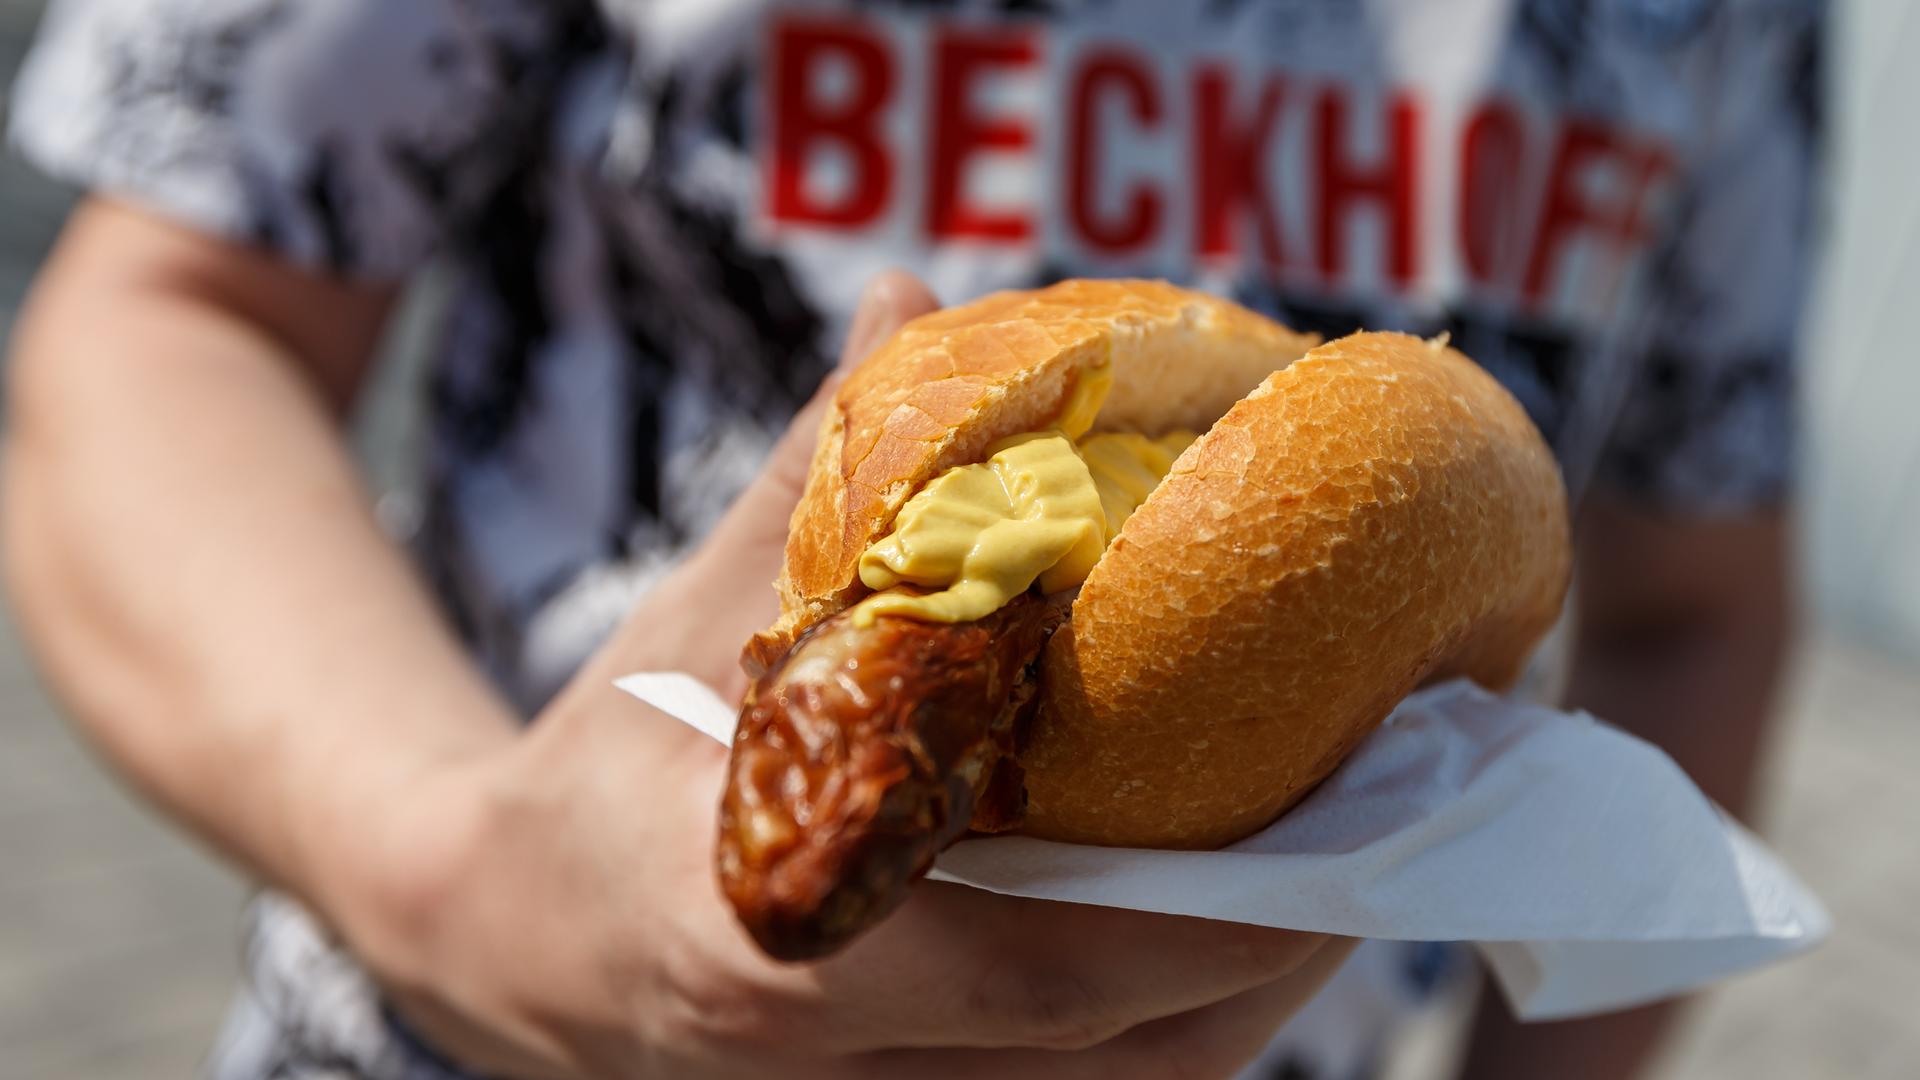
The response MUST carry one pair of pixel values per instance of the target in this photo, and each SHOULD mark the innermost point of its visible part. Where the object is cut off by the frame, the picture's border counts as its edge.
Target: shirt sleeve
(347, 135)
(1707, 424)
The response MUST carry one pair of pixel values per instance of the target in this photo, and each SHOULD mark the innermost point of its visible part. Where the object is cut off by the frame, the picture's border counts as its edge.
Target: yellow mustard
(983, 533)
(1040, 508)
(1127, 467)
(1090, 389)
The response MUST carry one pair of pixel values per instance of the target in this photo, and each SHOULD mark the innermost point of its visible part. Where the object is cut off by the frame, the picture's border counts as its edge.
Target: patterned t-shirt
(659, 214)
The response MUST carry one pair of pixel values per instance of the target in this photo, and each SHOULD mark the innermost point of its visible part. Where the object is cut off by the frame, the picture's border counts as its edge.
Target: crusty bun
(1357, 519)
(951, 382)
(1377, 513)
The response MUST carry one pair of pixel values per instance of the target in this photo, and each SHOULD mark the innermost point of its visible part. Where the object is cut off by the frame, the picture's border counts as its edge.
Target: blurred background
(117, 939)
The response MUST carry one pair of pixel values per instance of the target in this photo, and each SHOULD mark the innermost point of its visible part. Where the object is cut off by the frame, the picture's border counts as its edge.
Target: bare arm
(198, 572)
(1682, 629)
(192, 557)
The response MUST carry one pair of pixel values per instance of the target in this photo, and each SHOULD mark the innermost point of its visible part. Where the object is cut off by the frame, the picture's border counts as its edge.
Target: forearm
(1681, 640)
(196, 568)
(1702, 690)
(1703, 697)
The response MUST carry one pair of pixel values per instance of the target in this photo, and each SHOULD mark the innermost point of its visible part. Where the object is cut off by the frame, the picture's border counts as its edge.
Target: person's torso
(646, 309)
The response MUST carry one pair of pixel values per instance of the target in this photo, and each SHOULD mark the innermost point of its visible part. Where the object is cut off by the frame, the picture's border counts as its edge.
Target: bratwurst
(1263, 543)
(863, 753)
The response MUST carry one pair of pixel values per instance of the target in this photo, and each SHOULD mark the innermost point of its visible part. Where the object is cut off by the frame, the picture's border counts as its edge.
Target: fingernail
(888, 300)
(866, 324)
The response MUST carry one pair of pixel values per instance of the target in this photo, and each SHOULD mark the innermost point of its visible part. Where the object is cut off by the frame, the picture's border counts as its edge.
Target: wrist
(412, 872)
(383, 848)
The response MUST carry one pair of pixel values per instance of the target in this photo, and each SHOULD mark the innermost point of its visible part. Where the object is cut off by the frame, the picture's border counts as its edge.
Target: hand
(553, 911)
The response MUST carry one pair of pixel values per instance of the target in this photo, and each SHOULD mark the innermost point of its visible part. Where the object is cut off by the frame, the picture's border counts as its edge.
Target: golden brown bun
(1372, 515)
(953, 381)
(1380, 512)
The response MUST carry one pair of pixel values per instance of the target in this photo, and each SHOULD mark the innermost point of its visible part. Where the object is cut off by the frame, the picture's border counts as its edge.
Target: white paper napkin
(1587, 868)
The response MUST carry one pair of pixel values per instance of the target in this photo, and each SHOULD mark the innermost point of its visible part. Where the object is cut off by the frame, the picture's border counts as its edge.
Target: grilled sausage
(860, 756)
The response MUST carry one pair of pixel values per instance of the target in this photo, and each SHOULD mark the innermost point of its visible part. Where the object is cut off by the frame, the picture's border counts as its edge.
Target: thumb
(889, 301)
(725, 579)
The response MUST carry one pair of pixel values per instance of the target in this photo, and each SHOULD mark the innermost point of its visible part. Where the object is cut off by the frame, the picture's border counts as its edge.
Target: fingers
(890, 299)
(961, 967)
(1213, 1041)
(1029, 985)
(747, 545)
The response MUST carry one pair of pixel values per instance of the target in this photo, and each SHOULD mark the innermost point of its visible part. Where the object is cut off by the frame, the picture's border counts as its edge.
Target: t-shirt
(658, 215)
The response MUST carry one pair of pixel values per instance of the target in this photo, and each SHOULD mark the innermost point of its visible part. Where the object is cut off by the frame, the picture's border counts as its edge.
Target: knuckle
(1272, 952)
(709, 1004)
(1047, 1009)
(1196, 1063)
(416, 874)
(1188, 1056)
(1211, 1043)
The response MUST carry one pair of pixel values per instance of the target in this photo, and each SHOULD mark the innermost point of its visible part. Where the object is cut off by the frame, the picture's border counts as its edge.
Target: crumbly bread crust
(1380, 513)
(950, 383)
(1375, 514)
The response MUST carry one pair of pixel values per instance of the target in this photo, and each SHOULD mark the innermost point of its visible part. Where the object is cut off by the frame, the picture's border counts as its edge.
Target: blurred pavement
(30, 207)
(118, 942)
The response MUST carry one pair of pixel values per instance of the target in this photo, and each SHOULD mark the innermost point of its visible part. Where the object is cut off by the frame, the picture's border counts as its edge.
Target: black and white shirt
(660, 214)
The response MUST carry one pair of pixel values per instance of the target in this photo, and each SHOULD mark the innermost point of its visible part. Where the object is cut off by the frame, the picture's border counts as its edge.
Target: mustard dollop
(1042, 507)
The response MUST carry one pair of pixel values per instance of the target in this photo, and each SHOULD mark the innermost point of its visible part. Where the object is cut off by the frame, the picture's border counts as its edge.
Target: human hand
(552, 911)
(698, 617)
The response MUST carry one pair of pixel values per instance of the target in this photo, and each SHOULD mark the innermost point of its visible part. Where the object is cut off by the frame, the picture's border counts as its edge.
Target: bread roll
(1377, 513)
(950, 383)
(1358, 517)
